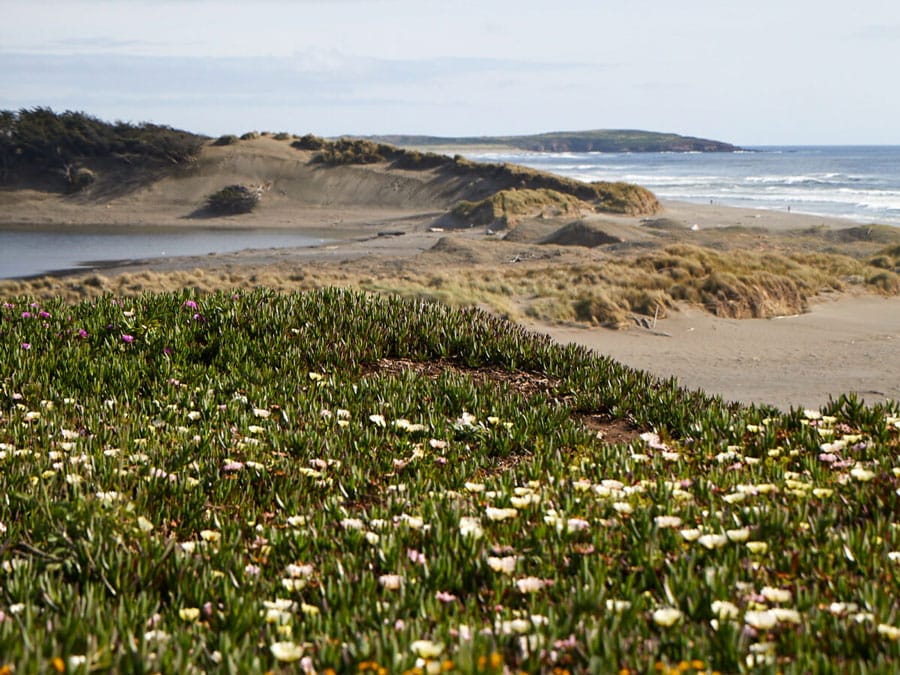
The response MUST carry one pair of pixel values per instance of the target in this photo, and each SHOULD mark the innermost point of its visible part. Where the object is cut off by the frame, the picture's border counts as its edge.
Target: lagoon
(27, 251)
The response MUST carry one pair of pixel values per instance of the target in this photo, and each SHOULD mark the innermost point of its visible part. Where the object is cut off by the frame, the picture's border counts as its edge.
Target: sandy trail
(843, 345)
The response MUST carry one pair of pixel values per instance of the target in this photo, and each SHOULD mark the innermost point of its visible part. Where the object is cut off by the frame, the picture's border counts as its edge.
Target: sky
(751, 72)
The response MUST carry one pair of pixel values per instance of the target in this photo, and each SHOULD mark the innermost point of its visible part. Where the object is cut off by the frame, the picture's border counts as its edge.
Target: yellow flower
(189, 613)
(758, 547)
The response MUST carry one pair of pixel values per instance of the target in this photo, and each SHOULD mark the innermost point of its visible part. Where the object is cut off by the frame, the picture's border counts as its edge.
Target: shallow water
(30, 251)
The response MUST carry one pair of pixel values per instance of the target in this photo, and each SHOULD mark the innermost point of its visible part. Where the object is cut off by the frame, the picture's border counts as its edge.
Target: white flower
(286, 652)
(297, 571)
(576, 524)
(470, 527)
(144, 525)
(292, 584)
(666, 616)
(261, 413)
(505, 565)
(426, 648)
(524, 501)
(690, 534)
(156, 636)
(390, 581)
(775, 594)
(377, 420)
(890, 632)
(663, 522)
(712, 541)
(862, 474)
(761, 620)
(617, 606)
(500, 514)
(741, 535)
(786, 615)
(529, 585)
(724, 610)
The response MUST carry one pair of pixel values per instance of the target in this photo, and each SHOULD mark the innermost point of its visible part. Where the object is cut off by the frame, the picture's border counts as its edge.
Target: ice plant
(667, 616)
(286, 652)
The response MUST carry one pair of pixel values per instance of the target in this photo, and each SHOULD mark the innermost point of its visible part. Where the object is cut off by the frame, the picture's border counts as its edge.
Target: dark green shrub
(250, 136)
(233, 199)
(44, 141)
(80, 178)
(282, 136)
(227, 139)
(309, 142)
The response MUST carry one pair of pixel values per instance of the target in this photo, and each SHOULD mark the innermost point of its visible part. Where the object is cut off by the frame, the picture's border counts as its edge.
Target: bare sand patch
(842, 345)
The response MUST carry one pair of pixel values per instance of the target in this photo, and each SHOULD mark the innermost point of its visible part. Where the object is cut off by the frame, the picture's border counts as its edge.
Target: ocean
(860, 183)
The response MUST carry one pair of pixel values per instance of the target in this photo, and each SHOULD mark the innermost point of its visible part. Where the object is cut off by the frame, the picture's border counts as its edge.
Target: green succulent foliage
(233, 482)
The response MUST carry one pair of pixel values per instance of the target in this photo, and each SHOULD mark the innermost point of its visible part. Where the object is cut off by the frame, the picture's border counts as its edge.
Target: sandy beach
(385, 234)
(842, 345)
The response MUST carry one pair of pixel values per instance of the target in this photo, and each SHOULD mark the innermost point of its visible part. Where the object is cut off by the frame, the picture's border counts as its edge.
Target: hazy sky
(746, 71)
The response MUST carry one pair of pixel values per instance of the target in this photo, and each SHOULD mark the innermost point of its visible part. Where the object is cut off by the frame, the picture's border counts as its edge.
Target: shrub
(309, 142)
(80, 178)
(45, 141)
(233, 199)
(250, 136)
(282, 136)
(227, 139)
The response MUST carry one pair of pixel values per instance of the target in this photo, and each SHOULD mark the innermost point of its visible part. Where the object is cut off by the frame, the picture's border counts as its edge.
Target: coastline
(845, 343)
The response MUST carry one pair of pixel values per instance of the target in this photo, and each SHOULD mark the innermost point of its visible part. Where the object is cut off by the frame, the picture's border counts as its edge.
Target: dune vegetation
(338, 482)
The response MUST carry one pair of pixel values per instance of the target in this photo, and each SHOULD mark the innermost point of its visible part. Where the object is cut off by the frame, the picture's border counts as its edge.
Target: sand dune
(383, 225)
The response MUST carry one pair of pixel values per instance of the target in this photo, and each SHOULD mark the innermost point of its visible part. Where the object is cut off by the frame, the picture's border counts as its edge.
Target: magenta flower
(127, 339)
(26, 315)
(26, 345)
(44, 314)
(190, 304)
(82, 333)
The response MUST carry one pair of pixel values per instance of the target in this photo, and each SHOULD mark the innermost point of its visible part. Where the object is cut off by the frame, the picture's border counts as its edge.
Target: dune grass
(339, 482)
(606, 289)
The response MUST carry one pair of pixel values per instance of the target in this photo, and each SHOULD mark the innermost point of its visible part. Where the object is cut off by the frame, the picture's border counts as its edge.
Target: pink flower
(127, 339)
(82, 333)
(190, 304)
(26, 345)
(443, 596)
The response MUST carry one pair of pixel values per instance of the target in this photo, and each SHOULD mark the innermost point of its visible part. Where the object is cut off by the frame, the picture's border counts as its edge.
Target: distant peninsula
(598, 140)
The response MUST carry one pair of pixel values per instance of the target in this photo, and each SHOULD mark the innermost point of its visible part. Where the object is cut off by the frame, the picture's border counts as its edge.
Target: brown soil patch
(527, 384)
